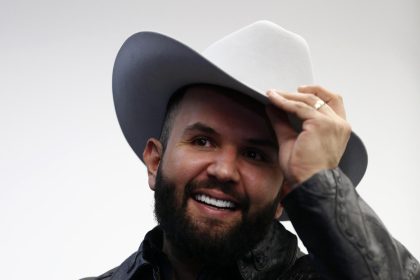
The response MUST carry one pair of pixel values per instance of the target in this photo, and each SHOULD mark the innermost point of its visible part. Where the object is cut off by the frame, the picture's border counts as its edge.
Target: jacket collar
(275, 253)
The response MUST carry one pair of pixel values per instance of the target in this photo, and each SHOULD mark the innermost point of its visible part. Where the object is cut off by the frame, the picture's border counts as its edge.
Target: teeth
(214, 202)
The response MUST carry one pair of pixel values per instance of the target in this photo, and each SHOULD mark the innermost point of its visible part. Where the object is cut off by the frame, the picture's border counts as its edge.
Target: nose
(224, 166)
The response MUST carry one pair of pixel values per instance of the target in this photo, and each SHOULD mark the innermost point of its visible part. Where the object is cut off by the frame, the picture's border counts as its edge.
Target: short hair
(172, 109)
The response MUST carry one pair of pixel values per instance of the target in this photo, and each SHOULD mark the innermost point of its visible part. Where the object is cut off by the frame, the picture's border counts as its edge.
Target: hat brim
(150, 67)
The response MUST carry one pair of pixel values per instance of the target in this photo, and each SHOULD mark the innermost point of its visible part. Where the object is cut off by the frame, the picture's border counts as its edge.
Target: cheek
(262, 187)
(179, 170)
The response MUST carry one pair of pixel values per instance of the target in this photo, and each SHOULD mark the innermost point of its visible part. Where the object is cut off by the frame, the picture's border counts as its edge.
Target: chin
(214, 228)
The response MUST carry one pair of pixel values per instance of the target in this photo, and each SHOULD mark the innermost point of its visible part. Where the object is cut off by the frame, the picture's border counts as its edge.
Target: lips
(215, 202)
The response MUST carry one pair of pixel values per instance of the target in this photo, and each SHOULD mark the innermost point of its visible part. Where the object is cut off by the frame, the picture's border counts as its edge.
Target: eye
(254, 155)
(201, 141)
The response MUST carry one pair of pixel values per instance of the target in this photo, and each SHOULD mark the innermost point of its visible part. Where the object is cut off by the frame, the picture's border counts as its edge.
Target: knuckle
(320, 88)
(336, 97)
(300, 105)
(347, 125)
(311, 98)
(344, 127)
(339, 97)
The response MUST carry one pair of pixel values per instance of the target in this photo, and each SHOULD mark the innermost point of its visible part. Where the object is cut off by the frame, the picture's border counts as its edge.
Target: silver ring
(318, 104)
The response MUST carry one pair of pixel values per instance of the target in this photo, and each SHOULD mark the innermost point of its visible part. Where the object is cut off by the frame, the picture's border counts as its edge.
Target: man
(226, 155)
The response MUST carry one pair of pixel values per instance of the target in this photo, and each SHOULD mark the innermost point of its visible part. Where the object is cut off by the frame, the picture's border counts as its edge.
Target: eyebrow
(201, 127)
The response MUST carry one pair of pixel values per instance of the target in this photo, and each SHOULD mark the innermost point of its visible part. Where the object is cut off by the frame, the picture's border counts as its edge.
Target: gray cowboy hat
(150, 67)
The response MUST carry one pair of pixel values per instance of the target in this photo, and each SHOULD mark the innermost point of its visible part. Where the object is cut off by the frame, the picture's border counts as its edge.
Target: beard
(207, 241)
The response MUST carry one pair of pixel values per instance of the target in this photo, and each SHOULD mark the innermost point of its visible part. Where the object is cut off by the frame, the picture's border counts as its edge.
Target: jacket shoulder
(106, 276)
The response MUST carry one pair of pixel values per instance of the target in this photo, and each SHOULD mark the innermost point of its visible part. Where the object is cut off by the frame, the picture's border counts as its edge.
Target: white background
(74, 199)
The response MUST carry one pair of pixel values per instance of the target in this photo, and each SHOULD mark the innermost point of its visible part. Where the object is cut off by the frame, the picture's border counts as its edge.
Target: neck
(183, 267)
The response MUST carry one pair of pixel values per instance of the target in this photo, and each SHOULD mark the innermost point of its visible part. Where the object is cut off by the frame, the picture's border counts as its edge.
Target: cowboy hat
(151, 67)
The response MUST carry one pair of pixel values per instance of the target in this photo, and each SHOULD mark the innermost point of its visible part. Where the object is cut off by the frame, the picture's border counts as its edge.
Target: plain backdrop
(74, 199)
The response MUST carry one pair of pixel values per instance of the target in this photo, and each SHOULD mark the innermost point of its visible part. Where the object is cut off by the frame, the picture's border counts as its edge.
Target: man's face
(219, 171)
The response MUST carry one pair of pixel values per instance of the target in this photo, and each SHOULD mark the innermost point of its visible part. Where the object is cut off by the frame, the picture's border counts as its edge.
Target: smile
(219, 203)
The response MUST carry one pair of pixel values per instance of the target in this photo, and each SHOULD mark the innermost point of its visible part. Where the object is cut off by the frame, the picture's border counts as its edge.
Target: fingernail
(271, 92)
(275, 95)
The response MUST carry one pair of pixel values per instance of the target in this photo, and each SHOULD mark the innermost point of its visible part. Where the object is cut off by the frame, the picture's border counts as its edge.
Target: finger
(335, 101)
(298, 108)
(310, 99)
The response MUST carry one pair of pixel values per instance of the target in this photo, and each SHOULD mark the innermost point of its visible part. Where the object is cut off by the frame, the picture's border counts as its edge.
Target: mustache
(226, 187)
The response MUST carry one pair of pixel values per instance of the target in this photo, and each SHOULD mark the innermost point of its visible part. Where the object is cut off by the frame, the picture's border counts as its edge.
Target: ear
(152, 156)
(279, 211)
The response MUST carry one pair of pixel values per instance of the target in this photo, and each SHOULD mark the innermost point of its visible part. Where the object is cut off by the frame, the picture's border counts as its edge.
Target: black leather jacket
(344, 237)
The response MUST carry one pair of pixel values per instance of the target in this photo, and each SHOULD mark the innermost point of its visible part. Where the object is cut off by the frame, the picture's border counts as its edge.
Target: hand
(324, 136)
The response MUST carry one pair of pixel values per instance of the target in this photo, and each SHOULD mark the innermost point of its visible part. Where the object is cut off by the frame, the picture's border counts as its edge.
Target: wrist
(292, 183)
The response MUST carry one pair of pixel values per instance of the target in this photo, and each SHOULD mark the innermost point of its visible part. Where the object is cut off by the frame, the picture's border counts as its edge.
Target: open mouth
(214, 202)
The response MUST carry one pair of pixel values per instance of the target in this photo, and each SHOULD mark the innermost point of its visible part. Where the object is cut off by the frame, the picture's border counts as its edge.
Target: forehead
(223, 108)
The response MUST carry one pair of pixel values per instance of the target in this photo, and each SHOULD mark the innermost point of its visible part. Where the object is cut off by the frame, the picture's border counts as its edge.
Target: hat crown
(263, 55)
(150, 67)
